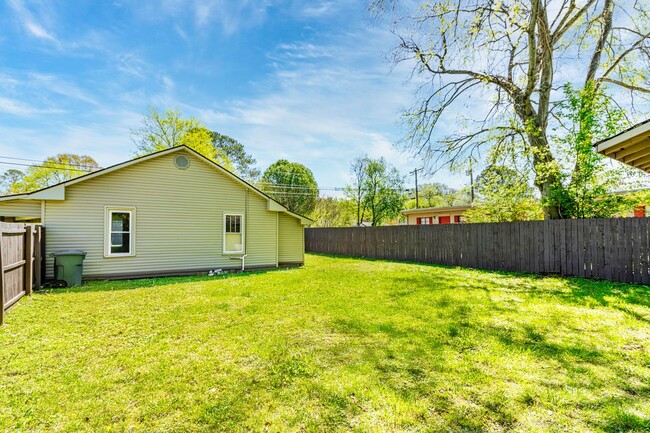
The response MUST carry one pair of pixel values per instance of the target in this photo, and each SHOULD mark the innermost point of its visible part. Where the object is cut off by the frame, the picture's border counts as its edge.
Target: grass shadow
(599, 291)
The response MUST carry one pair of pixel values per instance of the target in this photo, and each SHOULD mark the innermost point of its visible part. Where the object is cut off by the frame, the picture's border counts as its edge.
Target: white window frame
(109, 210)
(242, 227)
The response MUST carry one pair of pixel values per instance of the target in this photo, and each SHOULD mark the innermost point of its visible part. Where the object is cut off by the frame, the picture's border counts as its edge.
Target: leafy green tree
(503, 195)
(160, 131)
(636, 198)
(376, 190)
(53, 170)
(438, 195)
(292, 185)
(333, 212)
(588, 191)
(511, 52)
(243, 162)
(8, 178)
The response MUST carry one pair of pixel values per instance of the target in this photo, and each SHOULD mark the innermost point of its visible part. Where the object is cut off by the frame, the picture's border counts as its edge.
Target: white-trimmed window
(120, 232)
(233, 233)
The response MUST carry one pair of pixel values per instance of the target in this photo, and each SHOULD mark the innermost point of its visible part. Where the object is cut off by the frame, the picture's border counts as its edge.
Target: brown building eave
(631, 147)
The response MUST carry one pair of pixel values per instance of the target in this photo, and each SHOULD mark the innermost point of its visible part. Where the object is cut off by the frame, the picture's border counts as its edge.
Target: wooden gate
(20, 262)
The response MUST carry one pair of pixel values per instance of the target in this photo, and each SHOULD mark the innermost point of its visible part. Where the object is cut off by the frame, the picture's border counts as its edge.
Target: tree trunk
(546, 175)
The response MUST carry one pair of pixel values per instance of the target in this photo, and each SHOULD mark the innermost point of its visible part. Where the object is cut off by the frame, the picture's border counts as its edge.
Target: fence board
(613, 249)
(586, 238)
(644, 248)
(2, 280)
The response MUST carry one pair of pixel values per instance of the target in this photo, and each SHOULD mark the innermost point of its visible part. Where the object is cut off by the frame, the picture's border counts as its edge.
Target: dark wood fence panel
(20, 262)
(616, 249)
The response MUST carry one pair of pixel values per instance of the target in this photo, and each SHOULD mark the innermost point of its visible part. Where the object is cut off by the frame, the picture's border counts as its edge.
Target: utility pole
(471, 179)
(417, 198)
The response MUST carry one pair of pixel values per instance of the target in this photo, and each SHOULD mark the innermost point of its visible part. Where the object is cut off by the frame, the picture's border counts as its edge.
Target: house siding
(21, 208)
(291, 241)
(261, 233)
(178, 219)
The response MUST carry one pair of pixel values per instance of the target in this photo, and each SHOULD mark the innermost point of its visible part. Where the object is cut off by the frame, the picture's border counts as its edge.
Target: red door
(444, 220)
(639, 211)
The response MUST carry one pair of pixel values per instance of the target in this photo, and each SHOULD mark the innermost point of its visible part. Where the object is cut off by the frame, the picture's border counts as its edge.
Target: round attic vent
(182, 162)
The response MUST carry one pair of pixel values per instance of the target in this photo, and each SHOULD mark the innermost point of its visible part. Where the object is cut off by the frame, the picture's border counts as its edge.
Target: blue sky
(297, 79)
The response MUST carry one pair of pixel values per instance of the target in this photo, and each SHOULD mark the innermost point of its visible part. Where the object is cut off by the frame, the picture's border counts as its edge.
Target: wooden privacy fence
(616, 249)
(20, 262)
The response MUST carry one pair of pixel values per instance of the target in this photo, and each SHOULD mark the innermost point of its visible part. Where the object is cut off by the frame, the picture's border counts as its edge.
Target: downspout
(277, 239)
(243, 258)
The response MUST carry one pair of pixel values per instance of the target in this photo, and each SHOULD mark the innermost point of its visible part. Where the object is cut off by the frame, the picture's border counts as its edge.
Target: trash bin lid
(68, 253)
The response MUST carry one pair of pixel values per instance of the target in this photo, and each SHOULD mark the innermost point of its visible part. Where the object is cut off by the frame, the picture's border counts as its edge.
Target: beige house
(436, 215)
(169, 213)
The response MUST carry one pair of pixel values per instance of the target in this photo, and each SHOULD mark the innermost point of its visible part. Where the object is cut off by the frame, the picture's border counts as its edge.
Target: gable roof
(56, 192)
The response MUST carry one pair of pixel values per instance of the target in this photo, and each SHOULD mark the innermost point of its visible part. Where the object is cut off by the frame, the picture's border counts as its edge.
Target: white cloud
(299, 51)
(167, 83)
(318, 9)
(130, 64)
(231, 16)
(61, 86)
(29, 23)
(18, 108)
(38, 31)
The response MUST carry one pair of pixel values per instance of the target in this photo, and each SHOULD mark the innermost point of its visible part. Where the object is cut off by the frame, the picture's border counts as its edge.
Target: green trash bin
(68, 266)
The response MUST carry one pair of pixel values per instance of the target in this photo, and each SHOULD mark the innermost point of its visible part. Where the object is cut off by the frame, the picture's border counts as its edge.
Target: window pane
(233, 242)
(120, 243)
(120, 221)
(233, 224)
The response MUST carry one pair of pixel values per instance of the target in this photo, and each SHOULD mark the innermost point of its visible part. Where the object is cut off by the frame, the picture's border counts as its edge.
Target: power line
(298, 188)
(45, 162)
(68, 168)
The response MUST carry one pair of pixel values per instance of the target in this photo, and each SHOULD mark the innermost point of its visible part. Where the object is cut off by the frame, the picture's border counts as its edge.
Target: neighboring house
(168, 213)
(436, 215)
(631, 147)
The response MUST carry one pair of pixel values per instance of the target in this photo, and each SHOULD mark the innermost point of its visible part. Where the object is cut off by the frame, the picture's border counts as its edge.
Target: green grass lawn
(338, 345)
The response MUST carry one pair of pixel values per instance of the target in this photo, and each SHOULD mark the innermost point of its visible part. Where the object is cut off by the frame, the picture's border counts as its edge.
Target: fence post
(43, 242)
(29, 259)
(2, 279)
(38, 232)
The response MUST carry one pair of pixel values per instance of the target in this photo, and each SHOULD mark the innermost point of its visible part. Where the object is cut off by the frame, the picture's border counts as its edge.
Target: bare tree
(519, 53)
(355, 192)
